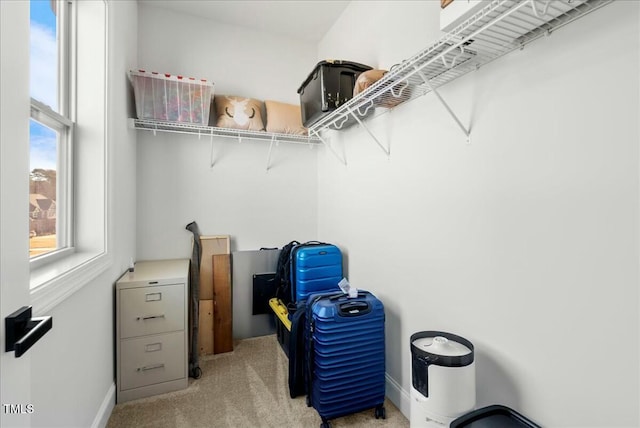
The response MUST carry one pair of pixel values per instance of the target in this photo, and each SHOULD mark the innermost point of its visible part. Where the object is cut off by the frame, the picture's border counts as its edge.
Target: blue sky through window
(43, 81)
(42, 14)
(43, 142)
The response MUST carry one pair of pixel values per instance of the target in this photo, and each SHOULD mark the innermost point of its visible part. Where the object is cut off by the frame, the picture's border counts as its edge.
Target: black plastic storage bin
(492, 417)
(329, 85)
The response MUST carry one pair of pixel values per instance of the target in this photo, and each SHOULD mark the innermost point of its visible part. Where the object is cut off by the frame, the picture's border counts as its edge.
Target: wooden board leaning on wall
(215, 323)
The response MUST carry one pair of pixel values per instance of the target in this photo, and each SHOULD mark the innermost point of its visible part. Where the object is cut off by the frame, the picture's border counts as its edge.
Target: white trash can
(443, 378)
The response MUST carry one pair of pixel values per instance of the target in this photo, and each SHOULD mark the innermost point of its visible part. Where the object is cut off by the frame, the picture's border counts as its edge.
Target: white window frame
(61, 118)
(62, 275)
(64, 182)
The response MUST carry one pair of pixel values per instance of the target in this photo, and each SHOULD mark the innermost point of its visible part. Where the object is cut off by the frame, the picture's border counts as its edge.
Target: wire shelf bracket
(466, 131)
(328, 146)
(386, 150)
(273, 141)
(212, 160)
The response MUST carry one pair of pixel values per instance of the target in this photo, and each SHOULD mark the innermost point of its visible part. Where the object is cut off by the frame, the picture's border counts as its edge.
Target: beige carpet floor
(246, 388)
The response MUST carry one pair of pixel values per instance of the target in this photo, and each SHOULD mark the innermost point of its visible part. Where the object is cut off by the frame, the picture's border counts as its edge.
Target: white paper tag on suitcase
(344, 285)
(347, 288)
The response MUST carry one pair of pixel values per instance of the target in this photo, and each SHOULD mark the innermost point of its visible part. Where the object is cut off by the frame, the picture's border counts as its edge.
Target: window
(68, 145)
(50, 130)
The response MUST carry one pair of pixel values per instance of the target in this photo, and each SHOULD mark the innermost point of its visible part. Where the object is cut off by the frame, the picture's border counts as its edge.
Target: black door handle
(22, 331)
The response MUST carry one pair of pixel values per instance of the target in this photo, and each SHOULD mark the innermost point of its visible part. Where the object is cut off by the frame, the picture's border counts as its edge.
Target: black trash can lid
(492, 417)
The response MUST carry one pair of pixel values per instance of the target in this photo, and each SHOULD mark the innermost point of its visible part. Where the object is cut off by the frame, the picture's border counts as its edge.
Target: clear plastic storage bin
(171, 98)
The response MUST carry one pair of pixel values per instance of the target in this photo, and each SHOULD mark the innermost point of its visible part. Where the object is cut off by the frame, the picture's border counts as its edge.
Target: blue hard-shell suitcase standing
(315, 268)
(345, 355)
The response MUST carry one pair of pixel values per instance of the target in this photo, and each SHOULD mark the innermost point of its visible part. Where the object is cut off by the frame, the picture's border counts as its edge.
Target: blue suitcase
(315, 268)
(345, 355)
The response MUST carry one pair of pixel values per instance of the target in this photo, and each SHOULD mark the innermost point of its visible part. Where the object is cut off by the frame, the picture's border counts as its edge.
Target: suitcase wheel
(325, 423)
(196, 373)
(381, 412)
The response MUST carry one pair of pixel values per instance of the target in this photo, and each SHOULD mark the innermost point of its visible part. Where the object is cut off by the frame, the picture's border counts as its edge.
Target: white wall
(237, 196)
(524, 241)
(72, 373)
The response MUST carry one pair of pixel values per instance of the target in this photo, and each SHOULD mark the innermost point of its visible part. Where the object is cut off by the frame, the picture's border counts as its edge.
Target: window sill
(53, 283)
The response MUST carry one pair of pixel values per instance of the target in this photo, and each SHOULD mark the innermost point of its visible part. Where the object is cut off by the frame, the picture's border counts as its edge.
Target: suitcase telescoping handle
(353, 309)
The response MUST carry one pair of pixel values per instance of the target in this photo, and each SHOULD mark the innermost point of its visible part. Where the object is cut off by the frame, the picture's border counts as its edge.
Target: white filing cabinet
(151, 329)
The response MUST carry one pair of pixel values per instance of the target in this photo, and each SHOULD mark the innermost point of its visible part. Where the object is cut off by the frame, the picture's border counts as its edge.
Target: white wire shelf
(497, 29)
(214, 131)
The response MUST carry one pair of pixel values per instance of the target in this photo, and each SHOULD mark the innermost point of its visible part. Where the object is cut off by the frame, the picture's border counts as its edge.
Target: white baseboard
(398, 396)
(109, 402)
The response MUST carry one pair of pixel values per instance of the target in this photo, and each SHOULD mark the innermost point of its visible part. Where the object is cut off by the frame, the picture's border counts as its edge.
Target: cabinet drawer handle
(150, 317)
(151, 367)
(153, 347)
(152, 297)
